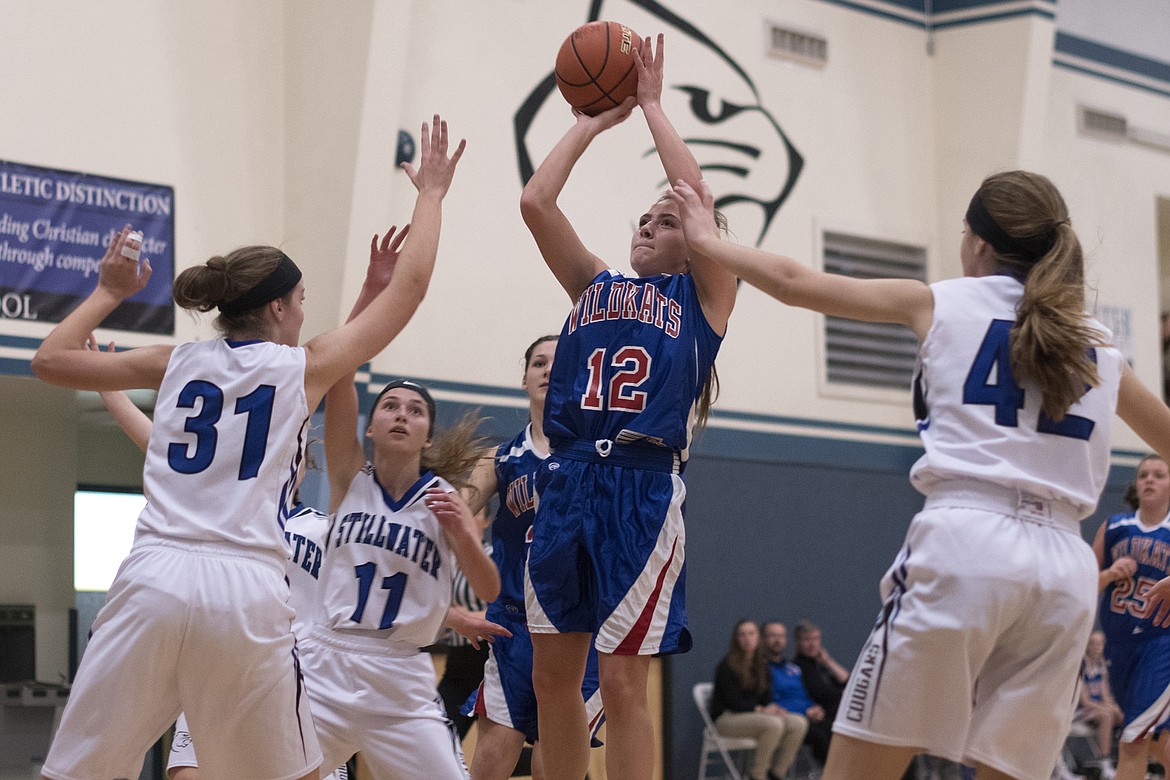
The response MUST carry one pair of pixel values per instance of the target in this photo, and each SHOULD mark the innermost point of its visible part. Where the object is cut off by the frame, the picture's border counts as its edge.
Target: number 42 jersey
(977, 422)
(631, 362)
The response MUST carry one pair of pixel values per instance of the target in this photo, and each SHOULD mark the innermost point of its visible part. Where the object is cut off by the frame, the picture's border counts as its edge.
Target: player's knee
(549, 682)
(622, 692)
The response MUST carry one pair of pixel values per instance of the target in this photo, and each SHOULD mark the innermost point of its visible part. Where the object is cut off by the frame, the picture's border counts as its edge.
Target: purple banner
(55, 227)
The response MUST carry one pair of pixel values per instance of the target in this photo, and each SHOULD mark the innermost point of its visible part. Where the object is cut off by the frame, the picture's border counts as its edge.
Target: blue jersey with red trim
(631, 363)
(516, 464)
(1125, 608)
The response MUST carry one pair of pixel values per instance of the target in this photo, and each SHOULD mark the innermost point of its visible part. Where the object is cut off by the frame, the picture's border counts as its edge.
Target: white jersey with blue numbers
(304, 533)
(1125, 604)
(631, 363)
(516, 464)
(388, 568)
(228, 437)
(977, 422)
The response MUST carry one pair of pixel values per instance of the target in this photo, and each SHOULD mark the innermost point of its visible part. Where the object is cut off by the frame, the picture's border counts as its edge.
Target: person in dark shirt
(824, 678)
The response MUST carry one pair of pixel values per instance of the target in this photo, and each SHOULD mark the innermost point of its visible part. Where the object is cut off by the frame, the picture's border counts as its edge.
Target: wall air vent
(1103, 123)
(1115, 127)
(864, 353)
(796, 45)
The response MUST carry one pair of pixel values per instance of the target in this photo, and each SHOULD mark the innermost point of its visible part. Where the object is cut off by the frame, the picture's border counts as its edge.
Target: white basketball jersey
(977, 422)
(304, 532)
(228, 435)
(388, 569)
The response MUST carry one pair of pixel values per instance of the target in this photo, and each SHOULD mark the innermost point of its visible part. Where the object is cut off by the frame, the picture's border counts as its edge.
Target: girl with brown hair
(197, 614)
(742, 706)
(1015, 391)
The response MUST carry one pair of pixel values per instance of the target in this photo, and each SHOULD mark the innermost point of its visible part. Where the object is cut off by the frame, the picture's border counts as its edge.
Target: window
(103, 531)
(865, 353)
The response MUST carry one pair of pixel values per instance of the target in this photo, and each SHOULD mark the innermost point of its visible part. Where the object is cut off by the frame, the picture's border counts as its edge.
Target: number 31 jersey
(388, 568)
(631, 362)
(977, 422)
(227, 440)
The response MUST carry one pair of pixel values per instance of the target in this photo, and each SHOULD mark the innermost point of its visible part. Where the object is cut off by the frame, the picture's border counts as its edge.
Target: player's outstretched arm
(344, 455)
(904, 301)
(132, 420)
(677, 159)
(715, 284)
(333, 354)
(1144, 412)
(343, 450)
(62, 359)
(472, 626)
(573, 265)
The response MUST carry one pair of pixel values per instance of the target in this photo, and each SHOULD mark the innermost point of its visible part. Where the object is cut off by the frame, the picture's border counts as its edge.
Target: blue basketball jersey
(516, 464)
(631, 363)
(1125, 609)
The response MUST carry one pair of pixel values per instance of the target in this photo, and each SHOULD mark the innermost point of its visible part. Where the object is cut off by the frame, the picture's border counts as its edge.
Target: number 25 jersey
(1125, 605)
(977, 422)
(631, 363)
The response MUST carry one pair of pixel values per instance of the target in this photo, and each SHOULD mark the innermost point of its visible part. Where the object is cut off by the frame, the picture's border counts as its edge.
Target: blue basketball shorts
(607, 556)
(506, 695)
(1139, 673)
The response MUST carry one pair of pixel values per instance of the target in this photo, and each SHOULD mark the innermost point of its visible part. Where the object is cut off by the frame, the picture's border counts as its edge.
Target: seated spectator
(824, 678)
(741, 706)
(1097, 706)
(788, 691)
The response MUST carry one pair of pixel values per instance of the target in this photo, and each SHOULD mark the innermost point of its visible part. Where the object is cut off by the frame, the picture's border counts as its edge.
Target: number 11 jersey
(388, 567)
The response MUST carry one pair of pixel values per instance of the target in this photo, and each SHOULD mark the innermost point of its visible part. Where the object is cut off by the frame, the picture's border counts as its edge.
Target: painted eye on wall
(701, 101)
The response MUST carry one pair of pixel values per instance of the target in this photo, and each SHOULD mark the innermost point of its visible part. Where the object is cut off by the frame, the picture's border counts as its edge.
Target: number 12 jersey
(631, 363)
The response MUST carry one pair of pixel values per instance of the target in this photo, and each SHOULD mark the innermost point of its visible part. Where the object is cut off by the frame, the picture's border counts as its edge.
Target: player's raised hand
(696, 210)
(384, 257)
(608, 118)
(452, 512)
(435, 168)
(650, 69)
(123, 271)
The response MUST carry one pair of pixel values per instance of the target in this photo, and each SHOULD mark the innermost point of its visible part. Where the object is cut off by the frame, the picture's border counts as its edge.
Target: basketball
(595, 67)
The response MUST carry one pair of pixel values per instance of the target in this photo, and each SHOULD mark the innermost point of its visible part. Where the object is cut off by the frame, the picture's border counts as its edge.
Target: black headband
(277, 284)
(416, 387)
(981, 224)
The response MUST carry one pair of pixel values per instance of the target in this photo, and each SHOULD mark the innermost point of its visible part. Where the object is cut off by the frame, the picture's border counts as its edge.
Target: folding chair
(713, 742)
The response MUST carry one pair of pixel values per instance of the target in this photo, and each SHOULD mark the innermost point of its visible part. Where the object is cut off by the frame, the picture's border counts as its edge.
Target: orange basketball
(595, 66)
